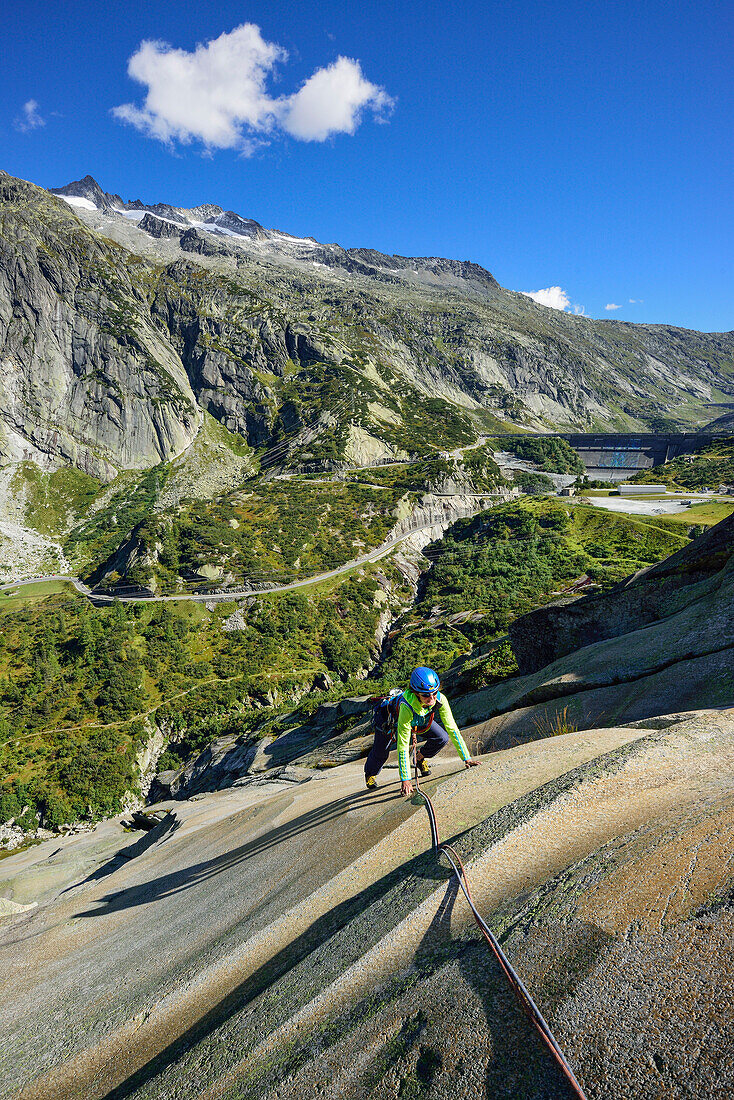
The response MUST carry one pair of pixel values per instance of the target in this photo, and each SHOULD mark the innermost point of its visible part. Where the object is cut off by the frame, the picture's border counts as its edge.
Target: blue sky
(585, 146)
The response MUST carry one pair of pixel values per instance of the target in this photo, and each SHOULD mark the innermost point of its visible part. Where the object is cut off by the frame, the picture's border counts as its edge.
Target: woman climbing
(414, 709)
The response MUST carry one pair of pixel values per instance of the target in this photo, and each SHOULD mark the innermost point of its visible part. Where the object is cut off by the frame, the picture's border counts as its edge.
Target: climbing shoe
(370, 782)
(424, 768)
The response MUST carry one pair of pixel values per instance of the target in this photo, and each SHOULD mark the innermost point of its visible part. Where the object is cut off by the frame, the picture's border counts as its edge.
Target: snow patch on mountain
(76, 200)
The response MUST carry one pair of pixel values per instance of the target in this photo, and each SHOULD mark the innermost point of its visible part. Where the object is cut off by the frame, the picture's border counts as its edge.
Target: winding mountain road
(316, 578)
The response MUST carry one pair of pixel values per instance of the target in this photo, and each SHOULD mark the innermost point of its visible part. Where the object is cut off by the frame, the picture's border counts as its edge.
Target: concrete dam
(616, 457)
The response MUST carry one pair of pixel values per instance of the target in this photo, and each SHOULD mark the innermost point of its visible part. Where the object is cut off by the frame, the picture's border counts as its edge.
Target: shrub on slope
(76, 683)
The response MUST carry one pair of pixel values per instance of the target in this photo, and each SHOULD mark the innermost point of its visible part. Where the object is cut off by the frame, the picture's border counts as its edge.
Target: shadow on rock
(519, 1066)
(166, 885)
(317, 936)
(164, 830)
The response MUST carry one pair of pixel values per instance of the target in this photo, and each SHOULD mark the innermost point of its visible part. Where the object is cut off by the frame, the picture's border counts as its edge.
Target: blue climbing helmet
(424, 680)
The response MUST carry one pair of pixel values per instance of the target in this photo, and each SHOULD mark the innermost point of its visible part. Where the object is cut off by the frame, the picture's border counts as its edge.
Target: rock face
(160, 227)
(301, 940)
(88, 380)
(89, 190)
(336, 733)
(220, 765)
(663, 640)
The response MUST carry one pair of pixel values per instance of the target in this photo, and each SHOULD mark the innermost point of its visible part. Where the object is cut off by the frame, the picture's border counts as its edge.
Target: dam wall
(616, 457)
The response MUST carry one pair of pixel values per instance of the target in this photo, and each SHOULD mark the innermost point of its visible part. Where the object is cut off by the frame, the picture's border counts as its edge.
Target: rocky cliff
(88, 378)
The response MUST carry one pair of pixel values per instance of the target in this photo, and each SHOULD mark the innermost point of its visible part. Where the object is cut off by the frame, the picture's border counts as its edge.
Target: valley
(248, 482)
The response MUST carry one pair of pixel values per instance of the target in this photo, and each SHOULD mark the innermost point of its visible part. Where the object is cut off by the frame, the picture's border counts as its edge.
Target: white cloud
(636, 301)
(553, 296)
(217, 94)
(209, 94)
(331, 102)
(29, 119)
(612, 305)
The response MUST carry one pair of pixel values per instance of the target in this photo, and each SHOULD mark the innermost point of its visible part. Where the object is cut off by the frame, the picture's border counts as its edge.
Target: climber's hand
(406, 788)
(471, 763)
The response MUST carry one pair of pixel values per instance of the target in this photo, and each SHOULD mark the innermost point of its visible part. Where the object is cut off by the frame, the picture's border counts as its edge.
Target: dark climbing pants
(436, 737)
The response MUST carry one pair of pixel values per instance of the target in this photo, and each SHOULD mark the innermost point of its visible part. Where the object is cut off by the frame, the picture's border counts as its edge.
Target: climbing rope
(518, 987)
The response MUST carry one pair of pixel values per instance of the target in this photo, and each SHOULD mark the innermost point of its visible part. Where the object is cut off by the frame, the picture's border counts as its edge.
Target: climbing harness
(518, 987)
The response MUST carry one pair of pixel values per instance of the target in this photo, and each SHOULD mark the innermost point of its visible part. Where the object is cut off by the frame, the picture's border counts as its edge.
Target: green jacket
(408, 719)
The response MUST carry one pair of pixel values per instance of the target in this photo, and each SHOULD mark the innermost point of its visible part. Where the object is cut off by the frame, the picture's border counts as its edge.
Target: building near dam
(642, 490)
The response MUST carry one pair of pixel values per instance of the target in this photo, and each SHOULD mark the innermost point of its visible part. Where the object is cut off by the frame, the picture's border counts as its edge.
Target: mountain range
(122, 324)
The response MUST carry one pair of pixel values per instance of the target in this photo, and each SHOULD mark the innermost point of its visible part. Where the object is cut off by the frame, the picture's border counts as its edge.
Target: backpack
(385, 711)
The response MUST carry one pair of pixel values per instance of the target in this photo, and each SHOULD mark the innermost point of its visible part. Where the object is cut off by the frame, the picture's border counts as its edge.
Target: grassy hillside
(263, 532)
(209, 516)
(266, 530)
(76, 683)
(502, 563)
(706, 514)
(90, 519)
(708, 468)
(52, 501)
